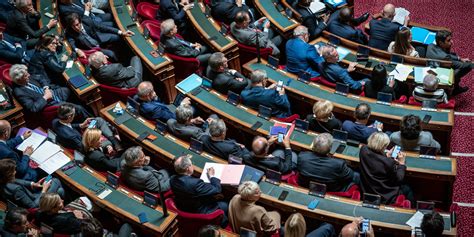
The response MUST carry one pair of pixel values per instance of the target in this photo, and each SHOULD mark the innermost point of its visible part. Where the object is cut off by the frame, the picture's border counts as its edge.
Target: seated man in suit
(244, 213)
(138, 175)
(67, 7)
(341, 23)
(258, 94)
(226, 10)
(180, 47)
(13, 49)
(442, 50)
(315, 23)
(359, 130)
(115, 74)
(382, 31)
(223, 78)
(175, 10)
(300, 55)
(429, 90)
(318, 166)
(216, 143)
(281, 160)
(8, 151)
(336, 73)
(16, 224)
(193, 194)
(187, 127)
(20, 23)
(69, 134)
(243, 32)
(151, 107)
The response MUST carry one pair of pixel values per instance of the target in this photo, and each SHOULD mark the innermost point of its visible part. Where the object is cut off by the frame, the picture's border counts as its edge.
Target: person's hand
(272, 139)
(351, 67)
(362, 83)
(197, 120)
(80, 53)
(37, 184)
(127, 33)
(377, 15)
(379, 126)
(325, 17)
(18, 45)
(273, 85)
(47, 94)
(209, 120)
(407, 19)
(27, 134)
(85, 123)
(52, 23)
(88, 6)
(239, 79)
(282, 91)
(46, 186)
(261, 19)
(196, 46)
(370, 231)
(232, 71)
(286, 141)
(465, 60)
(389, 152)
(186, 101)
(32, 232)
(146, 160)
(64, 58)
(211, 172)
(110, 149)
(267, 25)
(401, 158)
(78, 214)
(187, 7)
(392, 83)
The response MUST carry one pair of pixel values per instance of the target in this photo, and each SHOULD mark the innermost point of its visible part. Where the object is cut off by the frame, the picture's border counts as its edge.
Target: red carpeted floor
(457, 16)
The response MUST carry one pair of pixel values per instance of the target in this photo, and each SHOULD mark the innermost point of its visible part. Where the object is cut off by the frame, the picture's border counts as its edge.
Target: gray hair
(181, 167)
(96, 59)
(430, 82)
(300, 30)
(322, 143)
(21, 3)
(132, 154)
(17, 72)
(248, 189)
(216, 60)
(258, 76)
(167, 26)
(326, 51)
(184, 113)
(217, 127)
(144, 88)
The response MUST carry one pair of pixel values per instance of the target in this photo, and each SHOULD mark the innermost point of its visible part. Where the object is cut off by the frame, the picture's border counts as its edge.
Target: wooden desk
(278, 19)
(161, 67)
(14, 116)
(331, 209)
(208, 30)
(441, 124)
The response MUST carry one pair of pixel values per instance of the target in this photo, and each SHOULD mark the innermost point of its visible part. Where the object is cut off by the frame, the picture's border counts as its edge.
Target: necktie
(91, 40)
(184, 42)
(40, 91)
(9, 44)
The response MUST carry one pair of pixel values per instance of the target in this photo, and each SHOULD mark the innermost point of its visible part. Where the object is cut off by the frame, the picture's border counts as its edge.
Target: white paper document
(69, 64)
(46, 150)
(317, 6)
(228, 174)
(54, 162)
(34, 140)
(415, 220)
(218, 168)
(401, 72)
(400, 14)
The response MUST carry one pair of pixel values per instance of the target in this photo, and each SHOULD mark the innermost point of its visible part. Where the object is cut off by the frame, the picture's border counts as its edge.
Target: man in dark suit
(218, 145)
(16, 224)
(187, 127)
(7, 151)
(341, 23)
(115, 74)
(300, 55)
(359, 130)
(194, 195)
(180, 47)
(315, 23)
(138, 175)
(336, 73)
(258, 94)
(223, 78)
(175, 10)
(319, 167)
(382, 31)
(67, 7)
(442, 50)
(226, 10)
(12, 49)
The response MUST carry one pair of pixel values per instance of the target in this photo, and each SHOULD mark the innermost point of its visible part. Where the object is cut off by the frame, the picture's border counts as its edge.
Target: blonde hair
(50, 203)
(248, 189)
(90, 137)
(295, 226)
(378, 141)
(322, 109)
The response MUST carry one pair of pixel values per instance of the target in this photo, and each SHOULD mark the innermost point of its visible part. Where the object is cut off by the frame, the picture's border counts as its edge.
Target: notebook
(78, 81)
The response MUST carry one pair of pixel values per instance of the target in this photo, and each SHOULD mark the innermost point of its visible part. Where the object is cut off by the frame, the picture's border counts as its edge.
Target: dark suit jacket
(193, 195)
(6, 233)
(225, 11)
(68, 137)
(94, 30)
(116, 75)
(345, 31)
(64, 223)
(224, 148)
(12, 55)
(302, 56)
(336, 73)
(46, 64)
(145, 178)
(99, 161)
(321, 127)
(8, 150)
(380, 174)
(358, 132)
(315, 26)
(258, 95)
(280, 164)
(67, 9)
(171, 9)
(330, 171)
(435, 52)
(33, 101)
(225, 81)
(184, 131)
(20, 193)
(155, 110)
(372, 93)
(17, 25)
(174, 46)
(382, 32)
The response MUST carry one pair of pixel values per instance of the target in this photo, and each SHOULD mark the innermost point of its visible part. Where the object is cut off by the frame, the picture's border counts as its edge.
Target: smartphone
(390, 79)
(256, 125)
(313, 204)
(427, 119)
(283, 195)
(279, 85)
(395, 152)
(280, 137)
(142, 218)
(364, 225)
(92, 124)
(48, 178)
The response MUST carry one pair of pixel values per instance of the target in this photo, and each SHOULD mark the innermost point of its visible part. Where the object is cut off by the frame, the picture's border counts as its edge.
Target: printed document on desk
(415, 220)
(54, 162)
(34, 140)
(401, 72)
(317, 6)
(228, 174)
(45, 151)
(343, 52)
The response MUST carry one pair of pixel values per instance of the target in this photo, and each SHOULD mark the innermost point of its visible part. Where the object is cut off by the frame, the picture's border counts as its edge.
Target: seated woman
(402, 44)
(379, 83)
(411, 137)
(95, 155)
(322, 119)
(380, 173)
(295, 226)
(44, 64)
(21, 192)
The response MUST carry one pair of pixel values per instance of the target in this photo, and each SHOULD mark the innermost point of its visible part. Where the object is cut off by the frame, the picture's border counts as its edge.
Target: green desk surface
(117, 198)
(346, 101)
(281, 20)
(236, 113)
(204, 22)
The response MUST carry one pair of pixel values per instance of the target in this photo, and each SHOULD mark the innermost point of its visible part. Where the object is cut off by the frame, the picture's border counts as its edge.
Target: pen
(397, 71)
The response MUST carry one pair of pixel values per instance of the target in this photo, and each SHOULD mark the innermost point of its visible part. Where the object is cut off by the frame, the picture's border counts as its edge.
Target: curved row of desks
(332, 209)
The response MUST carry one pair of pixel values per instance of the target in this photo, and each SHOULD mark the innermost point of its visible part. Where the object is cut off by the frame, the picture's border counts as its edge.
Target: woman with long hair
(402, 44)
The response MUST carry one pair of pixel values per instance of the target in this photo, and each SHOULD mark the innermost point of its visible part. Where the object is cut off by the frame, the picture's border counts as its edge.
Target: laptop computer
(340, 141)
(195, 146)
(384, 98)
(304, 76)
(264, 112)
(150, 199)
(273, 62)
(371, 201)
(362, 54)
(244, 232)
(425, 207)
(342, 89)
(317, 189)
(428, 152)
(78, 157)
(234, 160)
(133, 107)
(301, 125)
(112, 180)
(429, 105)
(233, 98)
(160, 127)
(396, 59)
(273, 177)
(251, 174)
(206, 83)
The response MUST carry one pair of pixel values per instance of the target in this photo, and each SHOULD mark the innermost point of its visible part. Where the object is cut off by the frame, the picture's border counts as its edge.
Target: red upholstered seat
(248, 53)
(112, 94)
(184, 66)
(47, 115)
(353, 193)
(401, 100)
(147, 10)
(5, 74)
(450, 105)
(401, 201)
(154, 27)
(289, 119)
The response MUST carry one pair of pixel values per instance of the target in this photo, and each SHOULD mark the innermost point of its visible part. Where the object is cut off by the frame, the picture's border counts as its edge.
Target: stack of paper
(400, 14)
(401, 72)
(445, 75)
(189, 84)
(317, 6)
(415, 220)
(49, 157)
(228, 174)
(34, 140)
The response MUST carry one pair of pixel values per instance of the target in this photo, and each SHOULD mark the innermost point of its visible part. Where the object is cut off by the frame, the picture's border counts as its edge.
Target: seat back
(450, 105)
(147, 10)
(5, 74)
(112, 94)
(186, 66)
(248, 53)
(289, 119)
(153, 27)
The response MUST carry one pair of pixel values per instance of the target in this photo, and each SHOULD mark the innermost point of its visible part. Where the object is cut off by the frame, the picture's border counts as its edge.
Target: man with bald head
(341, 23)
(7, 151)
(281, 160)
(382, 31)
(352, 229)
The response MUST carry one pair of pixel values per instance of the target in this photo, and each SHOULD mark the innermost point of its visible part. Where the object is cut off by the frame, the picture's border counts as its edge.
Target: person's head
(50, 203)
(362, 112)
(432, 224)
(66, 112)
(97, 59)
(184, 114)
(330, 54)
(388, 11)
(379, 77)
(242, 19)
(322, 110)
(259, 77)
(350, 230)
(218, 62)
(402, 41)
(301, 32)
(19, 74)
(7, 171)
(249, 191)
(5, 129)
(91, 227)
(23, 5)
(145, 91)
(378, 142)
(74, 22)
(444, 39)
(48, 43)
(91, 139)
(168, 28)
(135, 157)
(410, 127)
(345, 15)
(260, 146)
(304, 3)
(430, 82)
(183, 165)
(295, 226)
(209, 231)
(217, 129)
(15, 220)
(322, 144)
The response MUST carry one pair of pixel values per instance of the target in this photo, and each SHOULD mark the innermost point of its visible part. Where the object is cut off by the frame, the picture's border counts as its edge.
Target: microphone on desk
(258, 47)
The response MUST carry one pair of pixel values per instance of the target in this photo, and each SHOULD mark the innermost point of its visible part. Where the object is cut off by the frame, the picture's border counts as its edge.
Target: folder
(78, 81)
(422, 35)
(228, 174)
